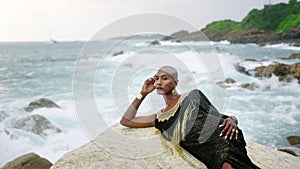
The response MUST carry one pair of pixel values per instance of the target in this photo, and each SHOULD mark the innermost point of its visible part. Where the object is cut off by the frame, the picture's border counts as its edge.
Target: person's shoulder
(195, 91)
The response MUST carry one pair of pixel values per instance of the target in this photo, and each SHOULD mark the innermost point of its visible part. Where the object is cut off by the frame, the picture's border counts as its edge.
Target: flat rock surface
(121, 147)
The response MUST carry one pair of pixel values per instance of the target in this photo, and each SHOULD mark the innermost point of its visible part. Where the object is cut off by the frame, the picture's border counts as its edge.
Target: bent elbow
(124, 122)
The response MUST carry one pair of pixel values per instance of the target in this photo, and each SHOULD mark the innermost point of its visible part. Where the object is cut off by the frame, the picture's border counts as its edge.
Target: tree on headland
(292, 2)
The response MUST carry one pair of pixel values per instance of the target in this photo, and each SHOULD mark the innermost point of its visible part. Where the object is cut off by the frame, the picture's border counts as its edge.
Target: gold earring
(174, 92)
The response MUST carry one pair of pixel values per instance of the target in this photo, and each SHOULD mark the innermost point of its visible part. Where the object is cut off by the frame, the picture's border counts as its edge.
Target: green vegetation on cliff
(222, 26)
(277, 18)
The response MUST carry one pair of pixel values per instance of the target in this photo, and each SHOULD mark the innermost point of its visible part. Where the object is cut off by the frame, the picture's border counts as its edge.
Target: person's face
(164, 82)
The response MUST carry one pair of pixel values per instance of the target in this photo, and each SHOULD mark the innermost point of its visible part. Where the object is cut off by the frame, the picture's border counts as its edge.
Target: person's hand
(148, 86)
(230, 129)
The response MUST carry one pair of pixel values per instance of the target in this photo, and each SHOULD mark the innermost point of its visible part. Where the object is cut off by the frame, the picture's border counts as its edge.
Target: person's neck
(169, 99)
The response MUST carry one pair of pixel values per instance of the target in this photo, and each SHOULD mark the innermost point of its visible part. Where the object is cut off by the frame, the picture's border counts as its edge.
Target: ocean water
(73, 73)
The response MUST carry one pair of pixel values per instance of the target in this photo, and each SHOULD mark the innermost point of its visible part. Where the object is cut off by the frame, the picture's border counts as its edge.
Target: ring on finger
(233, 130)
(236, 131)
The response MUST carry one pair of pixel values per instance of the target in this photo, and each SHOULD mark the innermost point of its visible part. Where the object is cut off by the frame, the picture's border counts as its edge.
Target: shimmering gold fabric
(193, 124)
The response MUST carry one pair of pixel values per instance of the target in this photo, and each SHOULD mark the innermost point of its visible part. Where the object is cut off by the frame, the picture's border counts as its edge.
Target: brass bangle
(234, 118)
(139, 96)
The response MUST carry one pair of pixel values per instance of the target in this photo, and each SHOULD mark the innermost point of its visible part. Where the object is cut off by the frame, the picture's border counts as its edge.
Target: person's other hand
(230, 129)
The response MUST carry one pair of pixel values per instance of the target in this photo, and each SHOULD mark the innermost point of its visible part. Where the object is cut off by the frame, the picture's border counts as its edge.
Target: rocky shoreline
(122, 147)
(284, 72)
(256, 36)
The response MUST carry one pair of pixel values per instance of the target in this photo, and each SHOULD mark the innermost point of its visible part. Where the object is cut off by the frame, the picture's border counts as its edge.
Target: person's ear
(175, 83)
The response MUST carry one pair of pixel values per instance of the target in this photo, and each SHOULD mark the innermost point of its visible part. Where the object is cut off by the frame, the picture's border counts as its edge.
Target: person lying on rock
(191, 121)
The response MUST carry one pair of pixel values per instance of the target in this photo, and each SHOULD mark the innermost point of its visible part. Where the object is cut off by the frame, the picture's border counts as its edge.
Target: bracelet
(140, 96)
(234, 118)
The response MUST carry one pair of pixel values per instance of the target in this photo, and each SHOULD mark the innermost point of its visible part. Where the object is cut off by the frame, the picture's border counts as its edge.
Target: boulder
(294, 140)
(37, 124)
(40, 103)
(3, 115)
(121, 147)
(28, 161)
(226, 83)
(155, 42)
(118, 53)
(249, 86)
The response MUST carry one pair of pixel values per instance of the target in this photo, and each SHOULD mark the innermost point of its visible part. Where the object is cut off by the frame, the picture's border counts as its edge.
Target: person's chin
(160, 92)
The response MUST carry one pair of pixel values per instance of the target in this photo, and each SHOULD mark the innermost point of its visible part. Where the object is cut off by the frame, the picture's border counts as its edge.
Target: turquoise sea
(71, 73)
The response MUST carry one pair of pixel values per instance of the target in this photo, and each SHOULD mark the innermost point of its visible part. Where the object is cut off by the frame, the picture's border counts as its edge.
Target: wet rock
(282, 71)
(3, 115)
(294, 140)
(155, 42)
(118, 53)
(40, 103)
(250, 86)
(28, 161)
(242, 69)
(36, 124)
(294, 56)
(226, 83)
(288, 151)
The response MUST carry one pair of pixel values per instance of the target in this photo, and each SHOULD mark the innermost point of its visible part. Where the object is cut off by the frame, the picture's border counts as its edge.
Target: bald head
(170, 70)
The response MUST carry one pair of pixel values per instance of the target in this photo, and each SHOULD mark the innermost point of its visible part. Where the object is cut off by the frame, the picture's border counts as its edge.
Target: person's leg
(227, 165)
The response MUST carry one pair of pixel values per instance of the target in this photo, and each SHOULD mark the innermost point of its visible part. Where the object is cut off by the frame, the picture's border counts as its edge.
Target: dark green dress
(193, 123)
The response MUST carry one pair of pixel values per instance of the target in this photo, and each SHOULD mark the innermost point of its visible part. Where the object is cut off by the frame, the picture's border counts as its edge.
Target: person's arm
(129, 119)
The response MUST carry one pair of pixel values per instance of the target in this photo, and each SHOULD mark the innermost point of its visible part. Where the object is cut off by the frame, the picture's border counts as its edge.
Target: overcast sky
(38, 20)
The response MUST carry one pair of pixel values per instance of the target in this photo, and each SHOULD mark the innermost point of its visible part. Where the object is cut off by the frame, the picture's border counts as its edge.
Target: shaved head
(171, 71)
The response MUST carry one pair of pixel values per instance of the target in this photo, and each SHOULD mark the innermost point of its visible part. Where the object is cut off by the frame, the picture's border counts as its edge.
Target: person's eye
(165, 78)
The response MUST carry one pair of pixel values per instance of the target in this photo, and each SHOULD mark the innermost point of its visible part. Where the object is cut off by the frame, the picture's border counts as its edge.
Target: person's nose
(158, 82)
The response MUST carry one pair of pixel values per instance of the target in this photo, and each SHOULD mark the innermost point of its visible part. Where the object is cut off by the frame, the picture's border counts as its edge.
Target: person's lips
(159, 88)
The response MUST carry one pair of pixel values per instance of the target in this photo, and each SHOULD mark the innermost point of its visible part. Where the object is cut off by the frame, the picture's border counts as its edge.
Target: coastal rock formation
(282, 71)
(294, 140)
(36, 124)
(226, 83)
(184, 35)
(121, 147)
(40, 103)
(294, 56)
(28, 161)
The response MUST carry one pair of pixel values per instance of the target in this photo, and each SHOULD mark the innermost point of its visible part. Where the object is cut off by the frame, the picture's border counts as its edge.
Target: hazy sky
(37, 20)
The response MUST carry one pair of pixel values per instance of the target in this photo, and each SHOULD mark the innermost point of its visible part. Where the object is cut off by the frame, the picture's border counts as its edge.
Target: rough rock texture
(40, 103)
(36, 124)
(282, 71)
(294, 140)
(28, 161)
(121, 147)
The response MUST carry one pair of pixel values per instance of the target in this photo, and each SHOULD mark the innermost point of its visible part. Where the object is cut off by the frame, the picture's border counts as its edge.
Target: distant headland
(277, 23)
